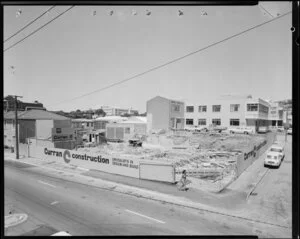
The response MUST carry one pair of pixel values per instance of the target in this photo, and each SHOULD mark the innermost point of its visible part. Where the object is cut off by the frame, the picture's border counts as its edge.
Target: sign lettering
(254, 151)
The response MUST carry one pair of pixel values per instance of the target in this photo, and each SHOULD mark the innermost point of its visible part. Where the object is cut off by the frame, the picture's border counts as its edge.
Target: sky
(83, 51)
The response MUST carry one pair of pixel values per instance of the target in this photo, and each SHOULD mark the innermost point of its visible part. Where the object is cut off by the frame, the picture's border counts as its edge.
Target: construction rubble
(208, 156)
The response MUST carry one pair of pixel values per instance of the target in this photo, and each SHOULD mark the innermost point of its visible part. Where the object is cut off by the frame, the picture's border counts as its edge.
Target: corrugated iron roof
(36, 115)
(11, 114)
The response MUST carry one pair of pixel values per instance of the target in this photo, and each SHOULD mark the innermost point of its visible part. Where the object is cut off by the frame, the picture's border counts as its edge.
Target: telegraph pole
(17, 129)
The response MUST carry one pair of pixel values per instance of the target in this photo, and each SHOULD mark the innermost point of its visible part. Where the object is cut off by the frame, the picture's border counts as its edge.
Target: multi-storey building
(229, 111)
(163, 113)
(276, 114)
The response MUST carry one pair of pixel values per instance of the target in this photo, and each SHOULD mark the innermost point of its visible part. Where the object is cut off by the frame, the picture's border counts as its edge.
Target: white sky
(79, 53)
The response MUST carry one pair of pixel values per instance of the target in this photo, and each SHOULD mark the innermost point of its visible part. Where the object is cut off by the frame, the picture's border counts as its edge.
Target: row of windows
(215, 108)
(233, 108)
(232, 122)
(257, 107)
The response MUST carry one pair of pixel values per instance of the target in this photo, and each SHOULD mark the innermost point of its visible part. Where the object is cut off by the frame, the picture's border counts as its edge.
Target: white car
(241, 130)
(274, 156)
(290, 131)
(194, 128)
(190, 128)
(262, 129)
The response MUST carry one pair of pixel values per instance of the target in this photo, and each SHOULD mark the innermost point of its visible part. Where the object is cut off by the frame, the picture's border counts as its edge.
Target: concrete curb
(15, 219)
(255, 185)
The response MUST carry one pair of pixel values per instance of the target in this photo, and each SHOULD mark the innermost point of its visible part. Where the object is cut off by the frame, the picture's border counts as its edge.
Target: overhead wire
(39, 28)
(27, 25)
(176, 59)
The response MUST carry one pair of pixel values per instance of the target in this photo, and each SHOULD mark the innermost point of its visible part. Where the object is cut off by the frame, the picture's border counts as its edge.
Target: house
(125, 130)
(46, 128)
(163, 113)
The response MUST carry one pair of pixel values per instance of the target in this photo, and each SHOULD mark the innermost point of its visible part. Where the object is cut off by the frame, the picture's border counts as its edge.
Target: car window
(276, 150)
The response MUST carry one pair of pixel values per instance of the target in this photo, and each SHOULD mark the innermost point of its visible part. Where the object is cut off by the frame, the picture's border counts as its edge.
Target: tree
(100, 112)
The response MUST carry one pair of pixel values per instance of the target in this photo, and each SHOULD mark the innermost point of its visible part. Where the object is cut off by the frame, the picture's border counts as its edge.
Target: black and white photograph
(141, 120)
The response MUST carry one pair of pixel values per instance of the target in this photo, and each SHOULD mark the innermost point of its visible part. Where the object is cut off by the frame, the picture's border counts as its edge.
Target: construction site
(206, 156)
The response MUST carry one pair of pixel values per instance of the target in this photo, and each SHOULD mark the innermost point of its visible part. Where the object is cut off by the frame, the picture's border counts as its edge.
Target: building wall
(9, 134)
(26, 130)
(225, 114)
(158, 113)
(44, 129)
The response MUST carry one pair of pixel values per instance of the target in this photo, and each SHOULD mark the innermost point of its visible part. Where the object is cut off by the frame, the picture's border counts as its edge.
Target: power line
(39, 28)
(176, 59)
(34, 20)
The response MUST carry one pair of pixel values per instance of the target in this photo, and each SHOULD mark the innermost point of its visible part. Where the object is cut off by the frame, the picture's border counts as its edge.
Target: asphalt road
(273, 194)
(86, 210)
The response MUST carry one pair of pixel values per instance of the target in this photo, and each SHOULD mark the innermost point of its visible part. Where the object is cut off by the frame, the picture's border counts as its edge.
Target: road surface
(86, 210)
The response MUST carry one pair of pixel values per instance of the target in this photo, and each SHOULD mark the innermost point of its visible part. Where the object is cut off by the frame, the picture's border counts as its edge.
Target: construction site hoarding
(157, 171)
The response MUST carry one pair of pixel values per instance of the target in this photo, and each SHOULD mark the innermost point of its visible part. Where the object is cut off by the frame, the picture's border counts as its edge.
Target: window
(263, 108)
(190, 109)
(216, 121)
(252, 107)
(234, 122)
(175, 108)
(201, 121)
(276, 150)
(234, 107)
(216, 108)
(127, 130)
(87, 124)
(202, 108)
(189, 122)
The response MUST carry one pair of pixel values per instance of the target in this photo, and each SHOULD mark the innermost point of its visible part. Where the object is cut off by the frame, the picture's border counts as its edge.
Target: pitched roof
(11, 114)
(36, 115)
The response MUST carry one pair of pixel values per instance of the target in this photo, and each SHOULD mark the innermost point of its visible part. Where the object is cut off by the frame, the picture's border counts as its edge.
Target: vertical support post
(17, 129)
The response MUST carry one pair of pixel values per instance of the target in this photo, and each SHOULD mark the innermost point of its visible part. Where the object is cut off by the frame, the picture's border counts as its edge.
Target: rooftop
(35, 114)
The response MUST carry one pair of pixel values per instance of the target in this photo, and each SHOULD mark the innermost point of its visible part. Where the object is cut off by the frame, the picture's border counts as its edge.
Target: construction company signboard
(109, 164)
(62, 134)
(246, 159)
(253, 152)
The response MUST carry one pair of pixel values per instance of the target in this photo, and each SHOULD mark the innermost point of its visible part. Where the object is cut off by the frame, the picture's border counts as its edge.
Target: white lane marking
(144, 216)
(42, 182)
(53, 203)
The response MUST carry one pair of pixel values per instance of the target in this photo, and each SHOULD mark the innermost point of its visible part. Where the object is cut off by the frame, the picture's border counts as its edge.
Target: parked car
(262, 129)
(201, 128)
(290, 131)
(190, 128)
(217, 128)
(194, 128)
(274, 156)
(241, 130)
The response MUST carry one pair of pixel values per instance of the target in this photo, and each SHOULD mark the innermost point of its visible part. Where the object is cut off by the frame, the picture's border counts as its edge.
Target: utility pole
(17, 129)
(286, 123)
